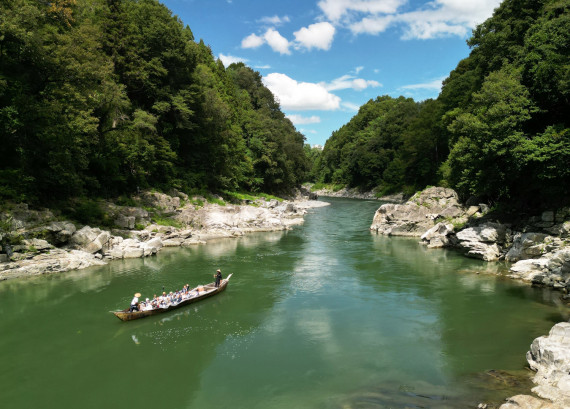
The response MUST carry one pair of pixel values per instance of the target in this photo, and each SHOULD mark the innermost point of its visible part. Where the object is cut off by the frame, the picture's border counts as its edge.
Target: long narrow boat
(208, 291)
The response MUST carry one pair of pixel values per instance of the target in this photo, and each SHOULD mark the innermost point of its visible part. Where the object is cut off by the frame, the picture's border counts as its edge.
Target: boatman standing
(218, 277)
(135, 303)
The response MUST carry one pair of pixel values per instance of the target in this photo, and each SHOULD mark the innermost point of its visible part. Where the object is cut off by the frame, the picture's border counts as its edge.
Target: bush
(88, 211)
(167, 222)
(126, 201)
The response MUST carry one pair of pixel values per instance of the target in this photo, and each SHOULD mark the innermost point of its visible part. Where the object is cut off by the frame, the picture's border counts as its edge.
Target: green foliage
(333, 187)
(238, 197)
(214, 200)
(197, 202)
(498, 130)
(89, 211)
(102, 98)
(126, 201)
(165, 221)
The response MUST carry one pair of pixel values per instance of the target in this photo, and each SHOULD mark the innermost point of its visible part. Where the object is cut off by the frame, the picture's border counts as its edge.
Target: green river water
(326, 315)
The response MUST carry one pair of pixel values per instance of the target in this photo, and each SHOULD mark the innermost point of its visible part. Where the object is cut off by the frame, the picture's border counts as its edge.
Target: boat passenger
(135, 303)
(218, 277)
(146, 305)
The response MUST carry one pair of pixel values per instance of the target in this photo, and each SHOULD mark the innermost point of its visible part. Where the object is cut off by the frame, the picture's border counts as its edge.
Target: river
(325, 316)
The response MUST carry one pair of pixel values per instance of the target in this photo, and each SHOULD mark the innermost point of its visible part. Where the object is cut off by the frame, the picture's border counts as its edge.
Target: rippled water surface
(324, 316)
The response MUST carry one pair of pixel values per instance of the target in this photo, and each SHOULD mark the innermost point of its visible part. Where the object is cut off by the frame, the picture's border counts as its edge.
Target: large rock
(55, 261)
(550, 357)
(84, 236)
(438, 235)
(552, 269)
(37, 245)
(60, 232)
(152, 246)
(90, 240)
(125, 222)
(167, 204)
(525, 246)
(483, 242)
(422, 212)
(487, 233)
(528, 402)
(133, 252)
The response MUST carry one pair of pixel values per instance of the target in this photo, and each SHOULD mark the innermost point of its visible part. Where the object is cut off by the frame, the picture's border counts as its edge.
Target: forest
(498, 131)
(101, 98)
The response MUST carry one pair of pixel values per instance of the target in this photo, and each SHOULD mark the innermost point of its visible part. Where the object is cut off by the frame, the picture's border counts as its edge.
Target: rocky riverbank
(354, 193)
(536, 250)
(35, 242)
(549, 356)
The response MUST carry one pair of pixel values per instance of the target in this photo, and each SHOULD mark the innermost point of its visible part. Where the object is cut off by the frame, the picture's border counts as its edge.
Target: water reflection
(325, 315)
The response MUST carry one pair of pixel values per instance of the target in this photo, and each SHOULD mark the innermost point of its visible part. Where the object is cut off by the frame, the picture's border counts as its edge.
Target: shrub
(167, 222)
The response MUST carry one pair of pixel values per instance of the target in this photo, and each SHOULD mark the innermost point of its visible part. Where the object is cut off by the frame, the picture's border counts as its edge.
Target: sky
(323, 59)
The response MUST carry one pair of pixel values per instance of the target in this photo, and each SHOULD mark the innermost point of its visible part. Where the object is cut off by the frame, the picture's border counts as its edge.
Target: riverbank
(355, 193)
(536, 250)
(39, 243)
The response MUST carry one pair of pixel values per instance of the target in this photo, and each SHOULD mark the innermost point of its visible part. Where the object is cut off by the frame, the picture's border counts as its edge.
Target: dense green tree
(105, 97)
(498, 130)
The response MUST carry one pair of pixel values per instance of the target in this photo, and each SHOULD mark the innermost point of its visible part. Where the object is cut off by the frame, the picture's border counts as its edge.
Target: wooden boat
(206, 291)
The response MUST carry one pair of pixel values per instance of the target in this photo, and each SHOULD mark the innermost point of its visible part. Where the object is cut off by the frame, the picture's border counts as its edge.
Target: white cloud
(312, 131)
(431, 85)
(276, 41)
(227, 60)
(303, 120)
(262, 67)
(350, 106)
(358, 69)
(425, 30)
(300, 96)
(349, 81)
(372, 25)
(275, 20)
(252, 41)
(337, 9)
(272, 37)
(318, 35)
(437, 18)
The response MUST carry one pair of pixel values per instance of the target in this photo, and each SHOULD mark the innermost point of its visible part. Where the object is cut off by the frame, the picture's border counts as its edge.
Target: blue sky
(325, 58)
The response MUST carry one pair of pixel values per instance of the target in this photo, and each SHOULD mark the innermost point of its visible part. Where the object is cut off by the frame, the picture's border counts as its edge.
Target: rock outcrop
(64, 247)
(438, 236)
(551, 269)
(354, 193)
(420, 214)
(538, 247)
(485, 242)
(528, 402)
(549, 356)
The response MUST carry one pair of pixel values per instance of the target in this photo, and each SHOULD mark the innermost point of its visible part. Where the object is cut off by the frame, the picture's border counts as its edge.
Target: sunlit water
(327, 315)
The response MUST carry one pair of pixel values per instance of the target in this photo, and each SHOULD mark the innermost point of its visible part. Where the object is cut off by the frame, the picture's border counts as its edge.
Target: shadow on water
(489, 387)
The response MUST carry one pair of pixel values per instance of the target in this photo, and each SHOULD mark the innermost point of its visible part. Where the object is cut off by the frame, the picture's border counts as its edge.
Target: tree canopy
(105, 97)
(498, 130)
